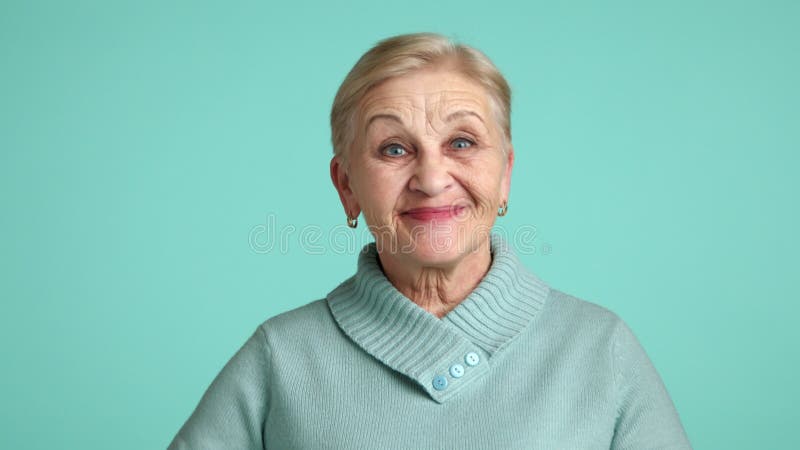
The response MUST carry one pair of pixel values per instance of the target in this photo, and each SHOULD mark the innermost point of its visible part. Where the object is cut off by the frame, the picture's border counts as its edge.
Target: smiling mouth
(434, 213)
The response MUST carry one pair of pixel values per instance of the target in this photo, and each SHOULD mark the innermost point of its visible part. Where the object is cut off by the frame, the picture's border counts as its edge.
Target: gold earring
(352, 222)
(503, 209)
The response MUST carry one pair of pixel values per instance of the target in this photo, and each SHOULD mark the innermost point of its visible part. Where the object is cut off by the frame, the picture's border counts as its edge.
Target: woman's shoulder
(311, 311)
(306, 321)
(580, 308)
(584, 323)
(580, 317)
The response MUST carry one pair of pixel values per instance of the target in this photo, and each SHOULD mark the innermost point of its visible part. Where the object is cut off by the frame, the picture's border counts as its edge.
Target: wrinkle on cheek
(384, 229)
(483, 199)
(379, 211)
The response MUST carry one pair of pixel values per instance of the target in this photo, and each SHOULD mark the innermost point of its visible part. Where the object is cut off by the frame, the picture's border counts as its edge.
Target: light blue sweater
(516, 365)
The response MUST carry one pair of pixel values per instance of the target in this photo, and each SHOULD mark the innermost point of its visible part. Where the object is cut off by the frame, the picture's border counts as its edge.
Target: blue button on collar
(456, 370)
(439, 382)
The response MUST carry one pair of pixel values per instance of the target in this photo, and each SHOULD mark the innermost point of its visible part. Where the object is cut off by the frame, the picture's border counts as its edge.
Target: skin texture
(427, 139)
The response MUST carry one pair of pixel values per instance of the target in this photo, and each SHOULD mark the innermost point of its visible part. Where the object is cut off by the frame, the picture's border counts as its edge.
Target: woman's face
(427, 167)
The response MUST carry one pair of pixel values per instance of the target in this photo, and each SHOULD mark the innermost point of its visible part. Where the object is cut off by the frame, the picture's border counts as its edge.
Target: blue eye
(394, 150)
(460, 143)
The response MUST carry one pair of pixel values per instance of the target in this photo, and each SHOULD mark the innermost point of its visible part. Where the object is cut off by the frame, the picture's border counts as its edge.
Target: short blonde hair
(399, 55)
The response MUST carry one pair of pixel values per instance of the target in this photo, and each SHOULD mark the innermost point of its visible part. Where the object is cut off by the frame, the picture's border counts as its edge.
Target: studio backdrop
(164, 188)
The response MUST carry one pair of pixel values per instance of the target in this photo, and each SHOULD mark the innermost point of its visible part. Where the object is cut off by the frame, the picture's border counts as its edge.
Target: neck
(437, 289)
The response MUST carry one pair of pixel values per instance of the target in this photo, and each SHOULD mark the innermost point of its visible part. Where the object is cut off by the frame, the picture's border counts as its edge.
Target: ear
(341, 181)
(505, 188)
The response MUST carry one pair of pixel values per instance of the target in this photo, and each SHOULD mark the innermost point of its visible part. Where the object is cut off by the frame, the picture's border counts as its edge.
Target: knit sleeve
(232, 412)
(646, 416)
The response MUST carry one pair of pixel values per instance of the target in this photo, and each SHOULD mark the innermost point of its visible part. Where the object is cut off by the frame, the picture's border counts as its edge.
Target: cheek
(379, 193)
(483, 185)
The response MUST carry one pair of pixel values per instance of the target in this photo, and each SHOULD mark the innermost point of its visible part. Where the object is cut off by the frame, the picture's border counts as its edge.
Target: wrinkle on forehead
(432, 106)
(442, 105)
(402, 106)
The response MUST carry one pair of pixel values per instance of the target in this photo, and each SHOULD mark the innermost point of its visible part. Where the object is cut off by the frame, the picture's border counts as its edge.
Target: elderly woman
(442, 338)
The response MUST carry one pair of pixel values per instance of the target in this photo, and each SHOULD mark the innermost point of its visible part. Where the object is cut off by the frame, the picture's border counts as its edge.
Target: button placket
(451, 374)
(456, 370)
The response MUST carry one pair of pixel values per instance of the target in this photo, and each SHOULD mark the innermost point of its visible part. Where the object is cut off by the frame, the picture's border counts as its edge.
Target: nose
(431, 174)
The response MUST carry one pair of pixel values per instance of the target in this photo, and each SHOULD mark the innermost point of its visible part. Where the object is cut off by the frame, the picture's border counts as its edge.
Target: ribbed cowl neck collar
(410, 340)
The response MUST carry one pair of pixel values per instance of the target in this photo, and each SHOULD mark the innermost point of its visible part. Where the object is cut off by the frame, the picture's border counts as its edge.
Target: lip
(434, 212)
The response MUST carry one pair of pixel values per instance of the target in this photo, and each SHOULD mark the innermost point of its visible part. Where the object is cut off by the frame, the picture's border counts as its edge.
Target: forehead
(435, 91)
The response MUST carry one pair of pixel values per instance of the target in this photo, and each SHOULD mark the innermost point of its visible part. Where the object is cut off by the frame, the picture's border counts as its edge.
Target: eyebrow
(462, 113)
(383, 116)
(454, 115)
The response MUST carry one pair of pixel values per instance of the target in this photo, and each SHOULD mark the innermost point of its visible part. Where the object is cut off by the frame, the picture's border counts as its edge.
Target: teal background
(144, 147)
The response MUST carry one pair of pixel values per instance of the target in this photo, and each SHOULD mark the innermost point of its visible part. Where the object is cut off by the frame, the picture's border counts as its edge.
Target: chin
(425, 257)
(437, 249)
